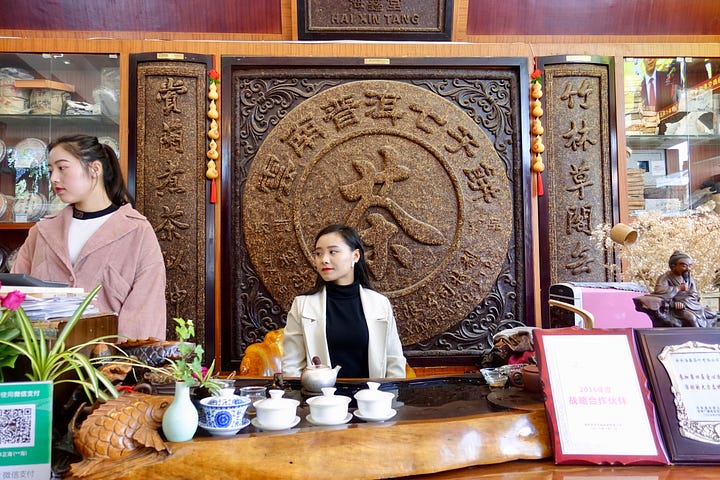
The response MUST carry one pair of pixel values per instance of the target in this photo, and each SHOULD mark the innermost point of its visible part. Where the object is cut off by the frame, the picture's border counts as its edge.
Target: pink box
(610, 303)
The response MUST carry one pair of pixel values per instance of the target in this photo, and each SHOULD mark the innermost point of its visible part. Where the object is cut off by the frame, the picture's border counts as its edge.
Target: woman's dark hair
(88, 149)
(353, 240)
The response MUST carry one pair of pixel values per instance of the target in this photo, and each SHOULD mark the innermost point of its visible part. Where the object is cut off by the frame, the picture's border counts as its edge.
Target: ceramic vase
(180, 420)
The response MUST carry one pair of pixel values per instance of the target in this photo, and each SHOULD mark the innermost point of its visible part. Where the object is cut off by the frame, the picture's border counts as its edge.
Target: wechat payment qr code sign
(25, 429)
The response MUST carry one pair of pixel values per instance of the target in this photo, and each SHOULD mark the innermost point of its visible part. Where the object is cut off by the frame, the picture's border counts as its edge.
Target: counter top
(445, 428)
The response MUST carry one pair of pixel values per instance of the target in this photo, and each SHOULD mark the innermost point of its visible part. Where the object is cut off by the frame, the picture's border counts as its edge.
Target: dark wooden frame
(271, 317)
(206, 331)
(595, 358)
(308, 32)
(651, 343)
(544, 213)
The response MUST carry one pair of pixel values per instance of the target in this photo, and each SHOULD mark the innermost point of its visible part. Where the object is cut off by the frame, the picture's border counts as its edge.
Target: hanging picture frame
(683, 367)
(597, 399)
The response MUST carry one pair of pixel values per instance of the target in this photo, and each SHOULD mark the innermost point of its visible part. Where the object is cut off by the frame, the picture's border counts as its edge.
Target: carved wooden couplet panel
(170, 177)
(580, 157)
(425, 166)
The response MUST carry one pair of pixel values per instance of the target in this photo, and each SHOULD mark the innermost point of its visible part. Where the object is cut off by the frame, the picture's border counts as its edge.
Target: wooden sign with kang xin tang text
(412, 20)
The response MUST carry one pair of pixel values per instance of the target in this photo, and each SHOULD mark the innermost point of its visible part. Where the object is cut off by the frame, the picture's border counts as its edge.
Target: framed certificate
(683, 366)
(597, 399)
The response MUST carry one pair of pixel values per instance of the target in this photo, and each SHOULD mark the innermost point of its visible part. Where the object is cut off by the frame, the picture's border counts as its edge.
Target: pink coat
(123, 255)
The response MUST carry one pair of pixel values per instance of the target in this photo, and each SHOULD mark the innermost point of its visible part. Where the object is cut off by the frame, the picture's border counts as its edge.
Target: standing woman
(342, 320)
(99, 238)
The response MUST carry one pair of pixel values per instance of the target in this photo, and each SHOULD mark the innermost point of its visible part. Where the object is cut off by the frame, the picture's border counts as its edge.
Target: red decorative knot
(214, 76)
(536, 76)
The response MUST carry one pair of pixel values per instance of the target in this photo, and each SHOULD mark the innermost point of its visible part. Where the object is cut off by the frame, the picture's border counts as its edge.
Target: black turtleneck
(346, 330)
(80, 215)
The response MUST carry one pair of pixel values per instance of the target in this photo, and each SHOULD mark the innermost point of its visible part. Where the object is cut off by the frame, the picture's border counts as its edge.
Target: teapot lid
(328, 398)
(276, 401)
(372, 392)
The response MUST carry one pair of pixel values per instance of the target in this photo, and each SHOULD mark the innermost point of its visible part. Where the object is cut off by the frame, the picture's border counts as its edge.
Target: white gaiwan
(328, 408)
(276, 412)
(374, 403)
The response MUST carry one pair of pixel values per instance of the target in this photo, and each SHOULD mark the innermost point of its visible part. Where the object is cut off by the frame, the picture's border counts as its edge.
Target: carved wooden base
(359, 450)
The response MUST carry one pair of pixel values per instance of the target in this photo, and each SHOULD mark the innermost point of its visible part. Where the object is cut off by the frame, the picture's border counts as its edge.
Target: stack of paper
(54, 307)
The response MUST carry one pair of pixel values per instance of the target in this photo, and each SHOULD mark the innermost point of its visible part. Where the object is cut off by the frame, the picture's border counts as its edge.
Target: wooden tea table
(442, 424)
(445, 428)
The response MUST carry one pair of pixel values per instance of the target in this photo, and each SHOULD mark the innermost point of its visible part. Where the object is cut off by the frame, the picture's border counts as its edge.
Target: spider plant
(58, 363)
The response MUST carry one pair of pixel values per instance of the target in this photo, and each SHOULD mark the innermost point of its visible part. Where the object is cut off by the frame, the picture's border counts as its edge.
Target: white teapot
(315, 377)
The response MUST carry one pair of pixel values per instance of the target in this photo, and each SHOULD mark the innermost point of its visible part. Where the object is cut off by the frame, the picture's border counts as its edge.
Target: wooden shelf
(71, 120)
(16, 225)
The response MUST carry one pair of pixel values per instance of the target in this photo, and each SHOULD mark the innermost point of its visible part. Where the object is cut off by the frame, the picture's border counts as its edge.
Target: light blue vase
(180, 420)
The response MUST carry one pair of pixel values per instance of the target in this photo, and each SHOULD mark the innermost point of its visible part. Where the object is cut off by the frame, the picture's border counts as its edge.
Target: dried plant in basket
(696, 232)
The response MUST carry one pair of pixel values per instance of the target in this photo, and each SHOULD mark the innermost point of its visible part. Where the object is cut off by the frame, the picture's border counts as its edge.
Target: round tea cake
(412, 172)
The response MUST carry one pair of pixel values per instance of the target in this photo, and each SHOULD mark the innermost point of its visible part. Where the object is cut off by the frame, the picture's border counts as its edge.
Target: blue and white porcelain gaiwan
(224, 414)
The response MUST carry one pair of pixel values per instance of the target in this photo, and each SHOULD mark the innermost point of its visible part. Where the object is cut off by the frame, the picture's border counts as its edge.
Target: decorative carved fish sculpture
(120, 431)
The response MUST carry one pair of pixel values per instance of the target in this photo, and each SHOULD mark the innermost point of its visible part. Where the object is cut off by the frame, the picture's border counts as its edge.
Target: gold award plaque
(412, 172)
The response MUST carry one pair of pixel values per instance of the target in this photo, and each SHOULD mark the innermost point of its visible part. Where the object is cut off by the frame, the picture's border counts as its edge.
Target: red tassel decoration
(540, 190)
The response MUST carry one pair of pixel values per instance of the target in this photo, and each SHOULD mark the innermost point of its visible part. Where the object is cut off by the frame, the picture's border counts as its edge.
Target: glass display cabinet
(44, 96)
(672, 108)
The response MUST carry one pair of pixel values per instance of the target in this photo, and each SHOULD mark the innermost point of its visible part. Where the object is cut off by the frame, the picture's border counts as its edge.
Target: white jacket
(305, 337)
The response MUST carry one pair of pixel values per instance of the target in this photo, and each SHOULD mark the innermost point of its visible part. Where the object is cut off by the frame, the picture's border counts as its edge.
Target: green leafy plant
(187, 367)
(56, 363)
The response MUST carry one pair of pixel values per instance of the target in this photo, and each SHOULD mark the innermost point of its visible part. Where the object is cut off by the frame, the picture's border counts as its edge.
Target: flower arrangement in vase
(180, 420)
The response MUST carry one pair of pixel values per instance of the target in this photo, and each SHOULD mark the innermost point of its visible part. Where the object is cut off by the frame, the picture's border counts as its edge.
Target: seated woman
(342, 320)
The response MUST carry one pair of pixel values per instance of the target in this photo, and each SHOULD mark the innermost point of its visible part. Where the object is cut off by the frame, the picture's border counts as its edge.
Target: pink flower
(13, 300)
(203, 373)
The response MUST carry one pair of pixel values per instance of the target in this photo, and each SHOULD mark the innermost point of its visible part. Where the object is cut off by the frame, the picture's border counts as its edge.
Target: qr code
(17, 424)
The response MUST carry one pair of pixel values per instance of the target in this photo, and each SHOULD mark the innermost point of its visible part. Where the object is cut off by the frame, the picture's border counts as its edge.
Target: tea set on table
(225, 414)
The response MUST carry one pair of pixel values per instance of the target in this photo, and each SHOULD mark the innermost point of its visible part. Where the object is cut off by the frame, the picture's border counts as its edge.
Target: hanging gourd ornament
(213, 93)
(212, 153)
(214, 132)
(536, 129)
(212, 112)
(537, 110)
(535, 91)
(211, 172)
(537, 145)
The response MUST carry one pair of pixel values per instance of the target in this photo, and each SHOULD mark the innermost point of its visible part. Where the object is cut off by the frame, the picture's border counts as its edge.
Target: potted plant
(57, 363)
(44, 366)
(180, 420)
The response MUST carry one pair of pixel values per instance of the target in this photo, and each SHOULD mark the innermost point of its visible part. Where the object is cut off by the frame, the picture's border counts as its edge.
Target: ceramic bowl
(374, 403)
(329, 408)
(276, 412)
(224, 413)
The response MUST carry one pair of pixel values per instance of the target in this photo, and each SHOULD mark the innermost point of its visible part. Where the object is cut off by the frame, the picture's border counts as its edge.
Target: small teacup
(255, 394)
(495, 377)
(224, 415)
(373, 402)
